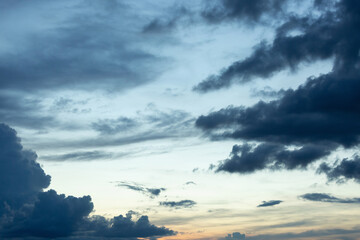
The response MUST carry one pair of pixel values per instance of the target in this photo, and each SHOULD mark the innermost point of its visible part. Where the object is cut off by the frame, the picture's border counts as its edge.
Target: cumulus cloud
(269, 203)
(323, 197)
(179, 204)
(27, 211)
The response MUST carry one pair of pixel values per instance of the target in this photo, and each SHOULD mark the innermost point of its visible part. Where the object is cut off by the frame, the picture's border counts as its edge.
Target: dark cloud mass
(27, 211)
(308, 123)
(331, 35)
(179, 204)
(323, 197)
(270, 203)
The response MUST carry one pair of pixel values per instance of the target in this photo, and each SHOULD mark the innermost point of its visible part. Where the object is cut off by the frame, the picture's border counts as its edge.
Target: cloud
(27, 211)
(338, 31)
(247, 158)
(179, 204)
(333, 234)
(84, 50)
(79, 156)
(323, 197)
(241, 10)
(270, 203)
(345, 170)
(13, 108)
(151, 192)
(317, 118)
(235, 236)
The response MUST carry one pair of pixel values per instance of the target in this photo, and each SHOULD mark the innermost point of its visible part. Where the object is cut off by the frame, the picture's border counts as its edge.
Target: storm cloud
(347, 169)
(27, 211)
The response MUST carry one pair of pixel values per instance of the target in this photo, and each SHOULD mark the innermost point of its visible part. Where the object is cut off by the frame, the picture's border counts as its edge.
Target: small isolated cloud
(270, 203)
(179, 204)
(323, 197)
(190, 183)
(151, 192)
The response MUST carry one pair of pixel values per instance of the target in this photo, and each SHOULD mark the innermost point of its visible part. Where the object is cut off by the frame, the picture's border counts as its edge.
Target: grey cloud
(26, 211)
(249, 11)
(179, 204)
(79, 156)
(23, 112)
(345, 170)
(86, 50)
(247, 158)
(151, 192)
(319, 116)
(323, 197)
(270, 203)
(322, 37)
(113, 126)
(234, 236)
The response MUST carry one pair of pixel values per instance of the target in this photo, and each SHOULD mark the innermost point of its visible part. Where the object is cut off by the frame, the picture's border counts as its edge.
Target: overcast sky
(164, 119)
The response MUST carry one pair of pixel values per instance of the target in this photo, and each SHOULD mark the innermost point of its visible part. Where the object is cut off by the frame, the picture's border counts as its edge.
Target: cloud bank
(26, 210)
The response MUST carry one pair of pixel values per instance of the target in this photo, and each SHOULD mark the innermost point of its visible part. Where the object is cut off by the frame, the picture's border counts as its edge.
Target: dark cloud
(323, 197)
(26, 211)
(79, 156)
(345, 170)
(270, 203)
(179, 204)
(85, 50)
(247, 158)
(124, 227)
(318, 117)
(243, 10)
(331, 35)
(151, 192)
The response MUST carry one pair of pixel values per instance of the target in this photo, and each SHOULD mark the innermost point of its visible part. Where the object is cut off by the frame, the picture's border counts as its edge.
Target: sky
(174, 120)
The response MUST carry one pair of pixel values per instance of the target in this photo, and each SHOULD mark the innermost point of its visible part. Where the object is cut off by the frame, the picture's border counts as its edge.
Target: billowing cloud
(179, 204)
(269, 203)
(234, 236)
(151, 192)
(27, 211)
(337, 26)
(323, 197)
